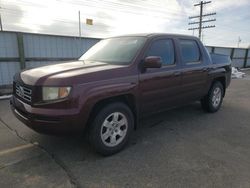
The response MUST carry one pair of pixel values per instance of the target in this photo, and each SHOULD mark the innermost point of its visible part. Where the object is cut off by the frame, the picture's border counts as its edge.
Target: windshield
(118, 51)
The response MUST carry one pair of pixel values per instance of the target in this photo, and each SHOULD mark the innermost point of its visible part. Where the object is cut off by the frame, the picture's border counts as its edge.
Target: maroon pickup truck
(118, 81)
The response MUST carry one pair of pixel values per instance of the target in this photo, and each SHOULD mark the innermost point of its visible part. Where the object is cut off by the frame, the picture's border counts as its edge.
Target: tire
(111, 128)
(213, 100)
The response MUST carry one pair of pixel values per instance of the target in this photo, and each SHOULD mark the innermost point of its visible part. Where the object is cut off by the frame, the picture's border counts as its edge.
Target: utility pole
(201, 21)
(1, 24)
(79, 19)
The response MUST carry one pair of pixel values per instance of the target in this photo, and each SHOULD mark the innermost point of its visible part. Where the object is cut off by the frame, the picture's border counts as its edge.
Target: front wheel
(111, 128)
(212, 102)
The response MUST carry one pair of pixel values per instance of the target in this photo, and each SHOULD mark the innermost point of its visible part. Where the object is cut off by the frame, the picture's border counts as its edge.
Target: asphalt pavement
(183, 147)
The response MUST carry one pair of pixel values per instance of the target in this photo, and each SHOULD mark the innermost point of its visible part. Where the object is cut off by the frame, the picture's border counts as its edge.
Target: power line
(18, 12)
(125, 6)
(112, 9)
(201, 21)
(67, 21)
(118, 7)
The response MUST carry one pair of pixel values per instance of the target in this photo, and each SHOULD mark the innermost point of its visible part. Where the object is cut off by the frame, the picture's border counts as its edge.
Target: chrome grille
(23, 92)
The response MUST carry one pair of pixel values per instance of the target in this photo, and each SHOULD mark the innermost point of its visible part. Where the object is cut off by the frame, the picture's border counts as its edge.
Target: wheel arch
(222, 80)
(128, 99)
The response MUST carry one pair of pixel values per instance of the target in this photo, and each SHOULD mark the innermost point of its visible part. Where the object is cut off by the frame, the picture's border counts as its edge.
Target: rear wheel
(111, 128)
(212, 102)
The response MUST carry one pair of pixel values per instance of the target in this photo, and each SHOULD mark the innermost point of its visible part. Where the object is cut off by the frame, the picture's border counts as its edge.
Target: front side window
(120, 50)
(189, 51)
(163, 48)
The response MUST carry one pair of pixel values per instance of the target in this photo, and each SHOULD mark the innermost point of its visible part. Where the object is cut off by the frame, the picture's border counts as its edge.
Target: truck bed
(220, 59)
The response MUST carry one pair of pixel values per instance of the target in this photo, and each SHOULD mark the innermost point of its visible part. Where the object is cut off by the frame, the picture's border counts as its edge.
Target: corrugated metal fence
(26, 50)
(240, 56)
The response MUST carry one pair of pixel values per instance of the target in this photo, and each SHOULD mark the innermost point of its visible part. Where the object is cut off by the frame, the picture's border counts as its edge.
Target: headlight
(54, 93)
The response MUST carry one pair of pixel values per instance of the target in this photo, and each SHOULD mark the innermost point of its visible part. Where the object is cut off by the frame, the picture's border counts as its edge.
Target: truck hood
(62, 71)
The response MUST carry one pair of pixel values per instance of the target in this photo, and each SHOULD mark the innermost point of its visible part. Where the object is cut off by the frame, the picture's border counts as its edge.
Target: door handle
(177, 73)
(204, 69)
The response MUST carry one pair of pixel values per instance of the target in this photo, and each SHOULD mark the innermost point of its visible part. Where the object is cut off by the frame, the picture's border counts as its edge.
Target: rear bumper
(47, 121)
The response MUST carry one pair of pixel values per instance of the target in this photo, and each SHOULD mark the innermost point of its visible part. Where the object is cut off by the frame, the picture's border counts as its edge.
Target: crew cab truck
(117, 82)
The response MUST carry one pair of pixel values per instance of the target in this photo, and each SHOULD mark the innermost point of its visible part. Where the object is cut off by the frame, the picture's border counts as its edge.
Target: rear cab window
(190, 52)
(163, 48)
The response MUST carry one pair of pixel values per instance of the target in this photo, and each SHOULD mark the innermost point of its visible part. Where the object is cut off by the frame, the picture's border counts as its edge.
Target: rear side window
(163, 48)
(190, 51)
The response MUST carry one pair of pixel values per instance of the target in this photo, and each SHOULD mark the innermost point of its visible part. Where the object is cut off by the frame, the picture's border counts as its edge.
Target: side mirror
(152, 62)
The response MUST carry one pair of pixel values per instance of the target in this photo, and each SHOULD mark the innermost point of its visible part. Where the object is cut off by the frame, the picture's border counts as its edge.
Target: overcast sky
(116, 17)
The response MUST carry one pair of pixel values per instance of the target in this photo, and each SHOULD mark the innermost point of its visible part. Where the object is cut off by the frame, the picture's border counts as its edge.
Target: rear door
(194, 72)
(160, 87)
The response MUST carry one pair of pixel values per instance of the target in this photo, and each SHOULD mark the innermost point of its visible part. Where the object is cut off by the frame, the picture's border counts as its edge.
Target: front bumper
(47, 121)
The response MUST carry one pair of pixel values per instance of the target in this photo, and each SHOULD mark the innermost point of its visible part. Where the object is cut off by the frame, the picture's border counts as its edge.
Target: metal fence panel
(8, 45)
(7, 71)
(40, 46)
(238, 62)
(239, 53)
(248, 62)
(224, 51)
(40, 50)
